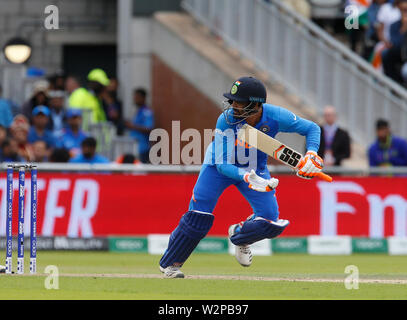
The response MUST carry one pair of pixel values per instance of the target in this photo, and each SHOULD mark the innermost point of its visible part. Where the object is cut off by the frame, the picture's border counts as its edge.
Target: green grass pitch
(103, 275)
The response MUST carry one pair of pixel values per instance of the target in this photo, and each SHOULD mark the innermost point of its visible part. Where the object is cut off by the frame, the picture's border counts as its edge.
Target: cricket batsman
(246, 103)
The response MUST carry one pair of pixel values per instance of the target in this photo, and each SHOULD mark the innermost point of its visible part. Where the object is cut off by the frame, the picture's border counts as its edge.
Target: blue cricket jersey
(47, 136)
(144, 118)
(97, 158)
(6, 115)
(69, 140)
(394, 153)
(226, 150)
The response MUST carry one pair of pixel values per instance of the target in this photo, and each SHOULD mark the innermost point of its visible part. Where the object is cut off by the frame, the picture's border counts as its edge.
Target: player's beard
(88, 155)
(237, 113)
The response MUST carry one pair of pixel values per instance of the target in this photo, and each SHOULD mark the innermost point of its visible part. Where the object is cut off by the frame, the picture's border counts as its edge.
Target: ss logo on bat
(290, 157)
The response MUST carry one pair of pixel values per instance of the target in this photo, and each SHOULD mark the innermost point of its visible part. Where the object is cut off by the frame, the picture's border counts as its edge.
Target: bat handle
(324, 177)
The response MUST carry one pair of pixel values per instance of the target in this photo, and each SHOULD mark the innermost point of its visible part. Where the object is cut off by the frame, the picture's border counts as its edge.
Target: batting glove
(310, 165)
(260, 184)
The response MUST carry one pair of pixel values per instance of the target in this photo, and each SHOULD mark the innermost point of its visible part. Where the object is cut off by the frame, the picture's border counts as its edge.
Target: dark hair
(95, 86)
(397, 2)
(53, 80)
(128, 158)
(55, 76)
(381, 123)
(5, 143)
(59, 155)
(141, 91)
(89, 142)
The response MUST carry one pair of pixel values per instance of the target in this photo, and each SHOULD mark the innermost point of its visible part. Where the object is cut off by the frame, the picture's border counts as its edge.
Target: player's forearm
(288, 122)
(313, 137)
(224, 146)
(231, 171)
(380, 32)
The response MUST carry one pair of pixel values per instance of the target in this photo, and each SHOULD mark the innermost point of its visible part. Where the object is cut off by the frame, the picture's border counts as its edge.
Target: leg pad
(258, 229)
(192, 228)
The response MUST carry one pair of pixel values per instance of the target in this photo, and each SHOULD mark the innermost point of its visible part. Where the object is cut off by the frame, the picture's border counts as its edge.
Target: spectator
(6, 113)
(357, 34)
(72, 83)
(387, 15)
(371, 38)
(19, 132)
(335, 142)
(72, 135)
(388, 150)
(39, 129)
(127, 158)
(88, 154)
(57, 113)
(393, 59)
(57, 81)
(40, 151)
(38, 98)
(91, 98)
(59, 155)
(3, 134)
(112, 106)
(3, 137)
(142, 124)
(9, 151)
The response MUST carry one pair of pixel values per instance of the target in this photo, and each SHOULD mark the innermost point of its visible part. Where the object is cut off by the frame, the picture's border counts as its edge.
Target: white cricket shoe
(243, 254)
(172, 272)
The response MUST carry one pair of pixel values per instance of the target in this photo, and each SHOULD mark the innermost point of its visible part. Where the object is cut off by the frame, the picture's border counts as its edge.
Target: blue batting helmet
(247, 89)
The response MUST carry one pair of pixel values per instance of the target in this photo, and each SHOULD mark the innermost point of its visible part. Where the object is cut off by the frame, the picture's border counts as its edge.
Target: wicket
(9, 218)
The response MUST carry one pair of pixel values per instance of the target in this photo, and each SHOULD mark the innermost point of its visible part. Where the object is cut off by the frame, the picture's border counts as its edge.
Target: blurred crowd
(379, 34)
(381, 37)
(48, 127)
(386, 151)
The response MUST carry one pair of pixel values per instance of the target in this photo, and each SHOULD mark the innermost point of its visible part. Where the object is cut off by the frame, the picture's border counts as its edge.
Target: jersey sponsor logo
(243, 144)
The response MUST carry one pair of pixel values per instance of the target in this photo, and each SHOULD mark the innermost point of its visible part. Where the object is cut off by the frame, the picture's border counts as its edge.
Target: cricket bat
(273, 148)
